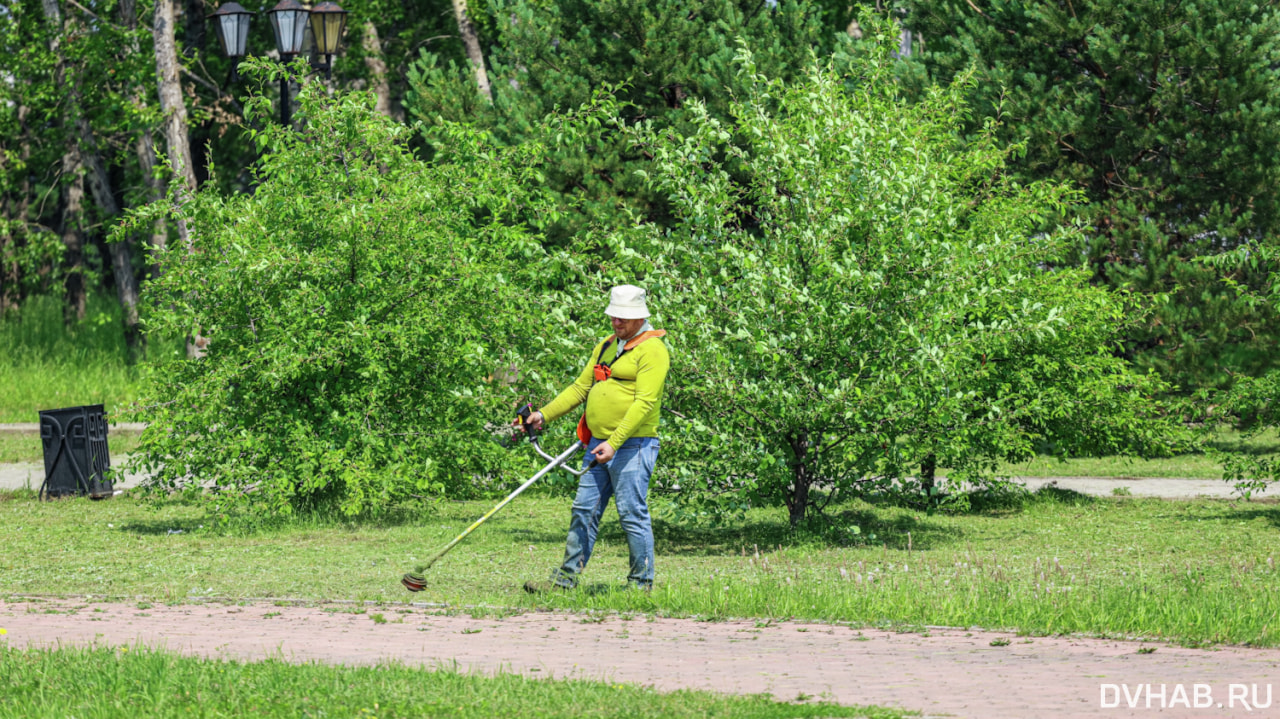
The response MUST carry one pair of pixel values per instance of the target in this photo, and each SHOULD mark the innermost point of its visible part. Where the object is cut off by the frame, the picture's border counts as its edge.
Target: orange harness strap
(631, 344)
(603, 371)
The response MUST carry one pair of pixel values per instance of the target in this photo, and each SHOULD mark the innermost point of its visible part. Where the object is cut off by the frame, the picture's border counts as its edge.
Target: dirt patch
(941, 673)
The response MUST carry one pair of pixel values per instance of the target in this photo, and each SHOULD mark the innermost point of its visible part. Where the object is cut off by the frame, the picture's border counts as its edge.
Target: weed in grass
(378, 618)
(471, 631)
(1000, 642)
(1121, 492)
(1146, 650)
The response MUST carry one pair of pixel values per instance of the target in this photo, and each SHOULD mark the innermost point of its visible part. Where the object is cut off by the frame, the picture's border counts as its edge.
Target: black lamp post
(298, 30)
(289, 21)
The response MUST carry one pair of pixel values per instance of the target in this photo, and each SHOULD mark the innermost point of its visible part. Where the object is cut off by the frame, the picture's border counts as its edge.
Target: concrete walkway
(1144, 487)
(31, 476)
(19, 476)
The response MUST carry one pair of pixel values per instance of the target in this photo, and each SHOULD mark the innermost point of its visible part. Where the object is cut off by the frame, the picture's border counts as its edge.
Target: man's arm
(573, 395)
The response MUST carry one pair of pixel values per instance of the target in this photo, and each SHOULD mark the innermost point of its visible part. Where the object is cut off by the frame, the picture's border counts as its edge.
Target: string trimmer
(416, 580)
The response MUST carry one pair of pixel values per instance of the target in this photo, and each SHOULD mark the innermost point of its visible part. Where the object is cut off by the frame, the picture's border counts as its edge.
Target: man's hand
(603, 452)
(535, 420)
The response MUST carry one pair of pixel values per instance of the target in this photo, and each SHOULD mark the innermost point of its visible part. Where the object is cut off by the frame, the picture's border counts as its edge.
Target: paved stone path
(947, 672)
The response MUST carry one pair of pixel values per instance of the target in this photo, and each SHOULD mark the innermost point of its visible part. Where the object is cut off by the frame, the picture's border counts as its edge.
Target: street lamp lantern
(328, 20)
(299, 30)
(231, 24)
(289, 21)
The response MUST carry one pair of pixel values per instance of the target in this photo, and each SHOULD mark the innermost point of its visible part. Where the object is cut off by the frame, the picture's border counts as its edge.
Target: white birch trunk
(472, 42)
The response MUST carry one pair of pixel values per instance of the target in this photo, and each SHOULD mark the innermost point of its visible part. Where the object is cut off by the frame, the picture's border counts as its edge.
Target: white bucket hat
(627, 302)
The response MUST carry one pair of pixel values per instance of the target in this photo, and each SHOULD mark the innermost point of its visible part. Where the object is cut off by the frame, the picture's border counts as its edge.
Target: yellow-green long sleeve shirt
(628, 403)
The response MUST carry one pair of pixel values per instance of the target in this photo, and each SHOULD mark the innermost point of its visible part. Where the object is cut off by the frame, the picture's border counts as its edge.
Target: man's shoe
(545, 586)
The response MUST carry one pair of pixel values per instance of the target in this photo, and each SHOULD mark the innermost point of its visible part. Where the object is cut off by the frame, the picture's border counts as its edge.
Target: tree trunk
(20, 216)
(928, 468)
(472, 42)
(146, 150)
(103, 195)
(72, 237)
(801, 480)
(121, 256)
(376, 62)
(73, 187)
(100, 187)
(174, 112)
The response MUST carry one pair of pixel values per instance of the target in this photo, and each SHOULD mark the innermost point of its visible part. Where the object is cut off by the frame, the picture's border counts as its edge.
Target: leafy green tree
(357, 306)
(30, 148)
(659, 54)
(855, 294)
(1250, 404)
(1167, 115)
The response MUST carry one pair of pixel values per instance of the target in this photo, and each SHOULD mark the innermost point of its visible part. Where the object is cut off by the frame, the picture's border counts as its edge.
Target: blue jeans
(626, 479)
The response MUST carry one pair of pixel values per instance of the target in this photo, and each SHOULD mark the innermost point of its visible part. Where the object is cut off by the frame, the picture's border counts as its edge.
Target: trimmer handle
(523, 413)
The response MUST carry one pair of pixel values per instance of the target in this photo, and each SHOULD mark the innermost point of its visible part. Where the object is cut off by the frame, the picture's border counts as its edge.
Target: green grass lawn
(45, 364)
(25, 447)
(104, 682)
(27, 388)
(1187, 571)
(1195, 465)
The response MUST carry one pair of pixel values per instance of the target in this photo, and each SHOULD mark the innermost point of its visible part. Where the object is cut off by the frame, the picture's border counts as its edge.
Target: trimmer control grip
(524, 413)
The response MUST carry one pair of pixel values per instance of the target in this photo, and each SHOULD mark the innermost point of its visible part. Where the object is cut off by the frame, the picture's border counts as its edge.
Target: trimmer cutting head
(414, 581)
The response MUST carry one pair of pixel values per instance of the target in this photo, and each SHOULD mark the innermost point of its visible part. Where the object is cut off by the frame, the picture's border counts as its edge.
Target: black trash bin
(76, 459)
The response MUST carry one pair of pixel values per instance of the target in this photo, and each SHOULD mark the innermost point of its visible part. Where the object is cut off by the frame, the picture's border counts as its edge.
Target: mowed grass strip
(1192, 572)
(104, 683)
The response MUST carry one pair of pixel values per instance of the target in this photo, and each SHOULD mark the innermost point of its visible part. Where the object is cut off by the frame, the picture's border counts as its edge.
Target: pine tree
(658, 53)
(1167, 114)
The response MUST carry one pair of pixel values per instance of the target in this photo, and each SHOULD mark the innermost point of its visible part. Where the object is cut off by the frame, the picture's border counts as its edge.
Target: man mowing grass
(622, 386)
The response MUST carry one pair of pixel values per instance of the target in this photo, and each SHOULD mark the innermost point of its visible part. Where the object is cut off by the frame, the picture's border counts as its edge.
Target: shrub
(855, 293)
(360, 306)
